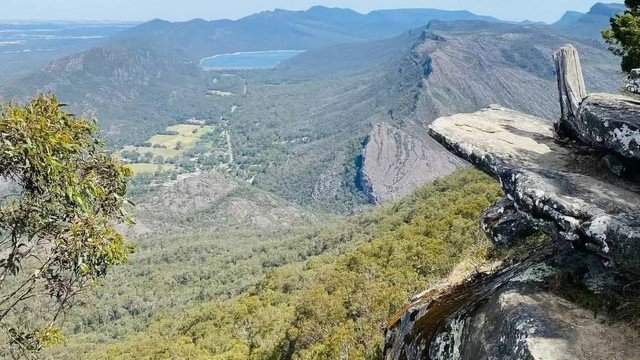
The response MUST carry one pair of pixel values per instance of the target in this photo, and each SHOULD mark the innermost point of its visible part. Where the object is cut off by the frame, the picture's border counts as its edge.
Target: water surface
(248, 60)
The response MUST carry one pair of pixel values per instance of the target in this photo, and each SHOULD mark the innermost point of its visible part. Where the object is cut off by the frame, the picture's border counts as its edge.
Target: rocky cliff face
(472, 65)
(395, 162)
(558, 184)
(503, 64)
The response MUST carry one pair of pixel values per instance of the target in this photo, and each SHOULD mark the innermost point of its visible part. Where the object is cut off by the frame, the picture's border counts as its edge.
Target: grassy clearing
(145, 168)
(167, 153)
(171, 143)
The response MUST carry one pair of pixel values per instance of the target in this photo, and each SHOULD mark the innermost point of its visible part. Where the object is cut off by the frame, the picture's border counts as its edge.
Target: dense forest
(335, 303)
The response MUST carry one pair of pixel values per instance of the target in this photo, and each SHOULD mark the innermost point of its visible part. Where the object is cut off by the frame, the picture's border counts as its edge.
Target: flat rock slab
(554, 183)
(610, 122)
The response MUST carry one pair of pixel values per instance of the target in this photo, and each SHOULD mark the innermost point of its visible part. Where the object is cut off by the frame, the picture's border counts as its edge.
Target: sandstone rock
(610, 122)
(507, 313)
(570, 85)
(568, 189)
(520, 322)
(504, 224)
(394, 163)
(412, 333)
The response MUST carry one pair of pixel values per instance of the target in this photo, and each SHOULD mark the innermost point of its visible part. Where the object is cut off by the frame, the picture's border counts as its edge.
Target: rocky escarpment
(395, 162)
(557, 183)
(562, 186)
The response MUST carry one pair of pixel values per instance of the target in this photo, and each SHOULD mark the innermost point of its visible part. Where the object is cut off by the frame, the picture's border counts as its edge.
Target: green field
(167, 146)
(146, 168)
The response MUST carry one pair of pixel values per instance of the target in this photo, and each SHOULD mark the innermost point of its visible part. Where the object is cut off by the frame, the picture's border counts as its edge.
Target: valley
(166, 146)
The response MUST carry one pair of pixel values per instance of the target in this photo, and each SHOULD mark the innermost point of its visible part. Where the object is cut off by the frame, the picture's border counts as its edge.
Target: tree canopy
(624, 36)
(335, 304)
(60, 196)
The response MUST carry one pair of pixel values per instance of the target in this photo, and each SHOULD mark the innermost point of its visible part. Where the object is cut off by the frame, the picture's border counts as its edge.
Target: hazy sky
(537, 10)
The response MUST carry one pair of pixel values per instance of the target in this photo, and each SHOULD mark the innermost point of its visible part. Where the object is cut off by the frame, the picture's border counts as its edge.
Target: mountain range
(283, 29)
(355, 82)
(260, 205)
(590, 24)
(130, 81)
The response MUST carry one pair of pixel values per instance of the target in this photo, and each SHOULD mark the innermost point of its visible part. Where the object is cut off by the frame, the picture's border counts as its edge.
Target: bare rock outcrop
(508, 313)
(560, 185)
(610, 122)
(394, 163)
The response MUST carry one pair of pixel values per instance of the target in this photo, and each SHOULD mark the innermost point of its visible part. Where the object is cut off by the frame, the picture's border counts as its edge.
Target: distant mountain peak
(158, 21)
(153, 24)
(604, 9)
(588, 25)
(320, 8)
(571, 16)
(314, 11)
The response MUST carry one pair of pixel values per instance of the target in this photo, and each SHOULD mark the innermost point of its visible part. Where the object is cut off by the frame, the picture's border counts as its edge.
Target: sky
(178, 10)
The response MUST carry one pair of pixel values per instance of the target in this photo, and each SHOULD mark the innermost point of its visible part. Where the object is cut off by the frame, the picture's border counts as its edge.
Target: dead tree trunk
(570, 86)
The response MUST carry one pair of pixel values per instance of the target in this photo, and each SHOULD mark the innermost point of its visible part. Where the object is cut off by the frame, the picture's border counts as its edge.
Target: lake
(248, 60)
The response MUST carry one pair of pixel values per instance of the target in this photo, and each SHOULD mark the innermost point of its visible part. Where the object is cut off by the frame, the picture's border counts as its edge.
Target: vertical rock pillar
(570, 85)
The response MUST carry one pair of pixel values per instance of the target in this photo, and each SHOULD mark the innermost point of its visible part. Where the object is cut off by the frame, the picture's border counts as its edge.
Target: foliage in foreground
(332, 307)
(624, 36)
(60, 194)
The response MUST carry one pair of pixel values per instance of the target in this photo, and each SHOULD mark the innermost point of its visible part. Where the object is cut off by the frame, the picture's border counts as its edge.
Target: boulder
(508, 313)
(633, 82)
(505, 225)
(610, 122)
(566, 188)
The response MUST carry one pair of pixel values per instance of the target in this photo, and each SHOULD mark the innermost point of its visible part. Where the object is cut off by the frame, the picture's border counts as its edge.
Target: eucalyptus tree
(61, 196)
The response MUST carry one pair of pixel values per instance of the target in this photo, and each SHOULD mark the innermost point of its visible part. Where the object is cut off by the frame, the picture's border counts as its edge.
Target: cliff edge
(577, 183)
